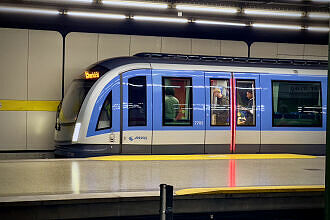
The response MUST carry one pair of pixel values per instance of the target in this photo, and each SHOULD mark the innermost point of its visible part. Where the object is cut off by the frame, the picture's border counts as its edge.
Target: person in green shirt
(171, 105)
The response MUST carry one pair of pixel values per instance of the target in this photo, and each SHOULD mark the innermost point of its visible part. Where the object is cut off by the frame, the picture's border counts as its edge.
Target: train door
(178, 112)
(218, 112)
(136, 112)
(247, 115)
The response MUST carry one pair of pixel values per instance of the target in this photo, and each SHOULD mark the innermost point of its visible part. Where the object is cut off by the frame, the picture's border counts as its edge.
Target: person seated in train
(221, 107)
(171, 105)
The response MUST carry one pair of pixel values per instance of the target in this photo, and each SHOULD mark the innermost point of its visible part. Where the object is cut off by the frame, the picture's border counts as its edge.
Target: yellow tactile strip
(251, 189)
(24, 105)
(202, 157)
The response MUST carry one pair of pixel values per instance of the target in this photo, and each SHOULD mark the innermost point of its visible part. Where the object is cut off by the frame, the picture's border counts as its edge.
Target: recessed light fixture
(219, 23)
(318, 15)
(29, 10)
(160, 19)
(198, 8)
(95, 15)
(276, 26)
(275, 13)
(64, 1)
(138, 4)
(320, 29)
(321, 1)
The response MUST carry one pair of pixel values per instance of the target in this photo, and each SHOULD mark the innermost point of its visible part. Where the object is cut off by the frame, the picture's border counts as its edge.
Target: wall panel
(40, 130)
(290, 51)
(80, 52)
(141, 44)
(13, 131)
(206, 47)
(113, 45)
(316, 52)
(13, 62)
(45, 65)
(176, 45)
(263, 50)
(233, 48)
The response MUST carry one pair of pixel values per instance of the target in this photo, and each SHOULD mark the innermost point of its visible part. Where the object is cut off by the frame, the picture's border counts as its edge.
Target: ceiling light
(219, 23)
(161, 19)
(64, 1)
(95, 15)
(135, 4)
(277, 26)
(29, 10)
(318, 15)
(197, 8)
(273, 13)
(321, 1)
(321, 29)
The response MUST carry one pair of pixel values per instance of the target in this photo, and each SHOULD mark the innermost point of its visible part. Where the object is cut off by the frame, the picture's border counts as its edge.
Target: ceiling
(247, 33)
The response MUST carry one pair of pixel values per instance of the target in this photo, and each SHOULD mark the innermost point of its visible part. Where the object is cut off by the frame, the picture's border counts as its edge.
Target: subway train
(154, 103)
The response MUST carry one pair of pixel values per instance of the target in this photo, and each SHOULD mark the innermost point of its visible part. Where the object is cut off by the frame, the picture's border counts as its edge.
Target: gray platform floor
(83, 178)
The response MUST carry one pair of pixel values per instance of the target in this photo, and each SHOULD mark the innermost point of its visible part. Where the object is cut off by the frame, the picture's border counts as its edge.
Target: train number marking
(198, 123)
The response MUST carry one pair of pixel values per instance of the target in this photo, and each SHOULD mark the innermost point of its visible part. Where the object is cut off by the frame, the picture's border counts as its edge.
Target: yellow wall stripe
(251, 189)
(23, 105)
(203, 157)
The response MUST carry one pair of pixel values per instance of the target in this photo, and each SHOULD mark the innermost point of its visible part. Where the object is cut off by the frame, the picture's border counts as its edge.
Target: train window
(220, 104)
(177, 101)
(137, 101)
(297, 104)
(105, 118)
(246, 103)
(73, 100)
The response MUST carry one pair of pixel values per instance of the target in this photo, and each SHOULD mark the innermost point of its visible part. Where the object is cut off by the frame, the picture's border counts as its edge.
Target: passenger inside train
(245, 103)
(220, 102)
(177, 98)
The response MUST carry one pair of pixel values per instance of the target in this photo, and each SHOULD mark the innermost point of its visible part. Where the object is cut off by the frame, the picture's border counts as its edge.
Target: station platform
(115, 186)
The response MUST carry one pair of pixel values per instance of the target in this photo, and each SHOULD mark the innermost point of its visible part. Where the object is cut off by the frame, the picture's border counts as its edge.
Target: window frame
(296, 81)
(255, 102)
(190, 101)
(98, 120)
(146, 101)
(230, 109)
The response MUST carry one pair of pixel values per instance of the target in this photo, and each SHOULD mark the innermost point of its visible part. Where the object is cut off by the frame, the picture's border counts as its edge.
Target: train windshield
(73, 100)
(74, 97)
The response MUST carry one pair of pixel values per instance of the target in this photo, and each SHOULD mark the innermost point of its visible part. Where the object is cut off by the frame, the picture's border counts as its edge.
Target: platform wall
(83, 49)
(32, 60)
(31, 69)
(289, 51)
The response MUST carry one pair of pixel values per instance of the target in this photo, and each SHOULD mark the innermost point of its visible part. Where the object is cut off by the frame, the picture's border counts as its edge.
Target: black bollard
(166, 202)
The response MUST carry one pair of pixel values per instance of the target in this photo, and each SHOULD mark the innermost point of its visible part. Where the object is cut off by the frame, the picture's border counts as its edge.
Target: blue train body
(125, 110)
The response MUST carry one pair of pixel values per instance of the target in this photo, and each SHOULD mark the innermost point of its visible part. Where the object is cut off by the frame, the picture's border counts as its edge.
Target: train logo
(132, 138)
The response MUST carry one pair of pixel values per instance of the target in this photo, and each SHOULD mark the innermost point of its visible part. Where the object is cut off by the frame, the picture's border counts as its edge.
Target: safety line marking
(251, 189)
(27, 105)
(201, 157)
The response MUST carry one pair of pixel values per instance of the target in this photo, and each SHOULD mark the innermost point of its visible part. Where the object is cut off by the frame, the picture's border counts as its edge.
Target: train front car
(187, 104)
(67, 126)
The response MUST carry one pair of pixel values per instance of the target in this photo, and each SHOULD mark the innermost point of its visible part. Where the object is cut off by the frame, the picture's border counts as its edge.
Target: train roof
(214, 61)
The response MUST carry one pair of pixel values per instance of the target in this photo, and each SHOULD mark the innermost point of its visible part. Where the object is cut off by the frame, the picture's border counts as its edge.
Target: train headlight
(76, 132)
